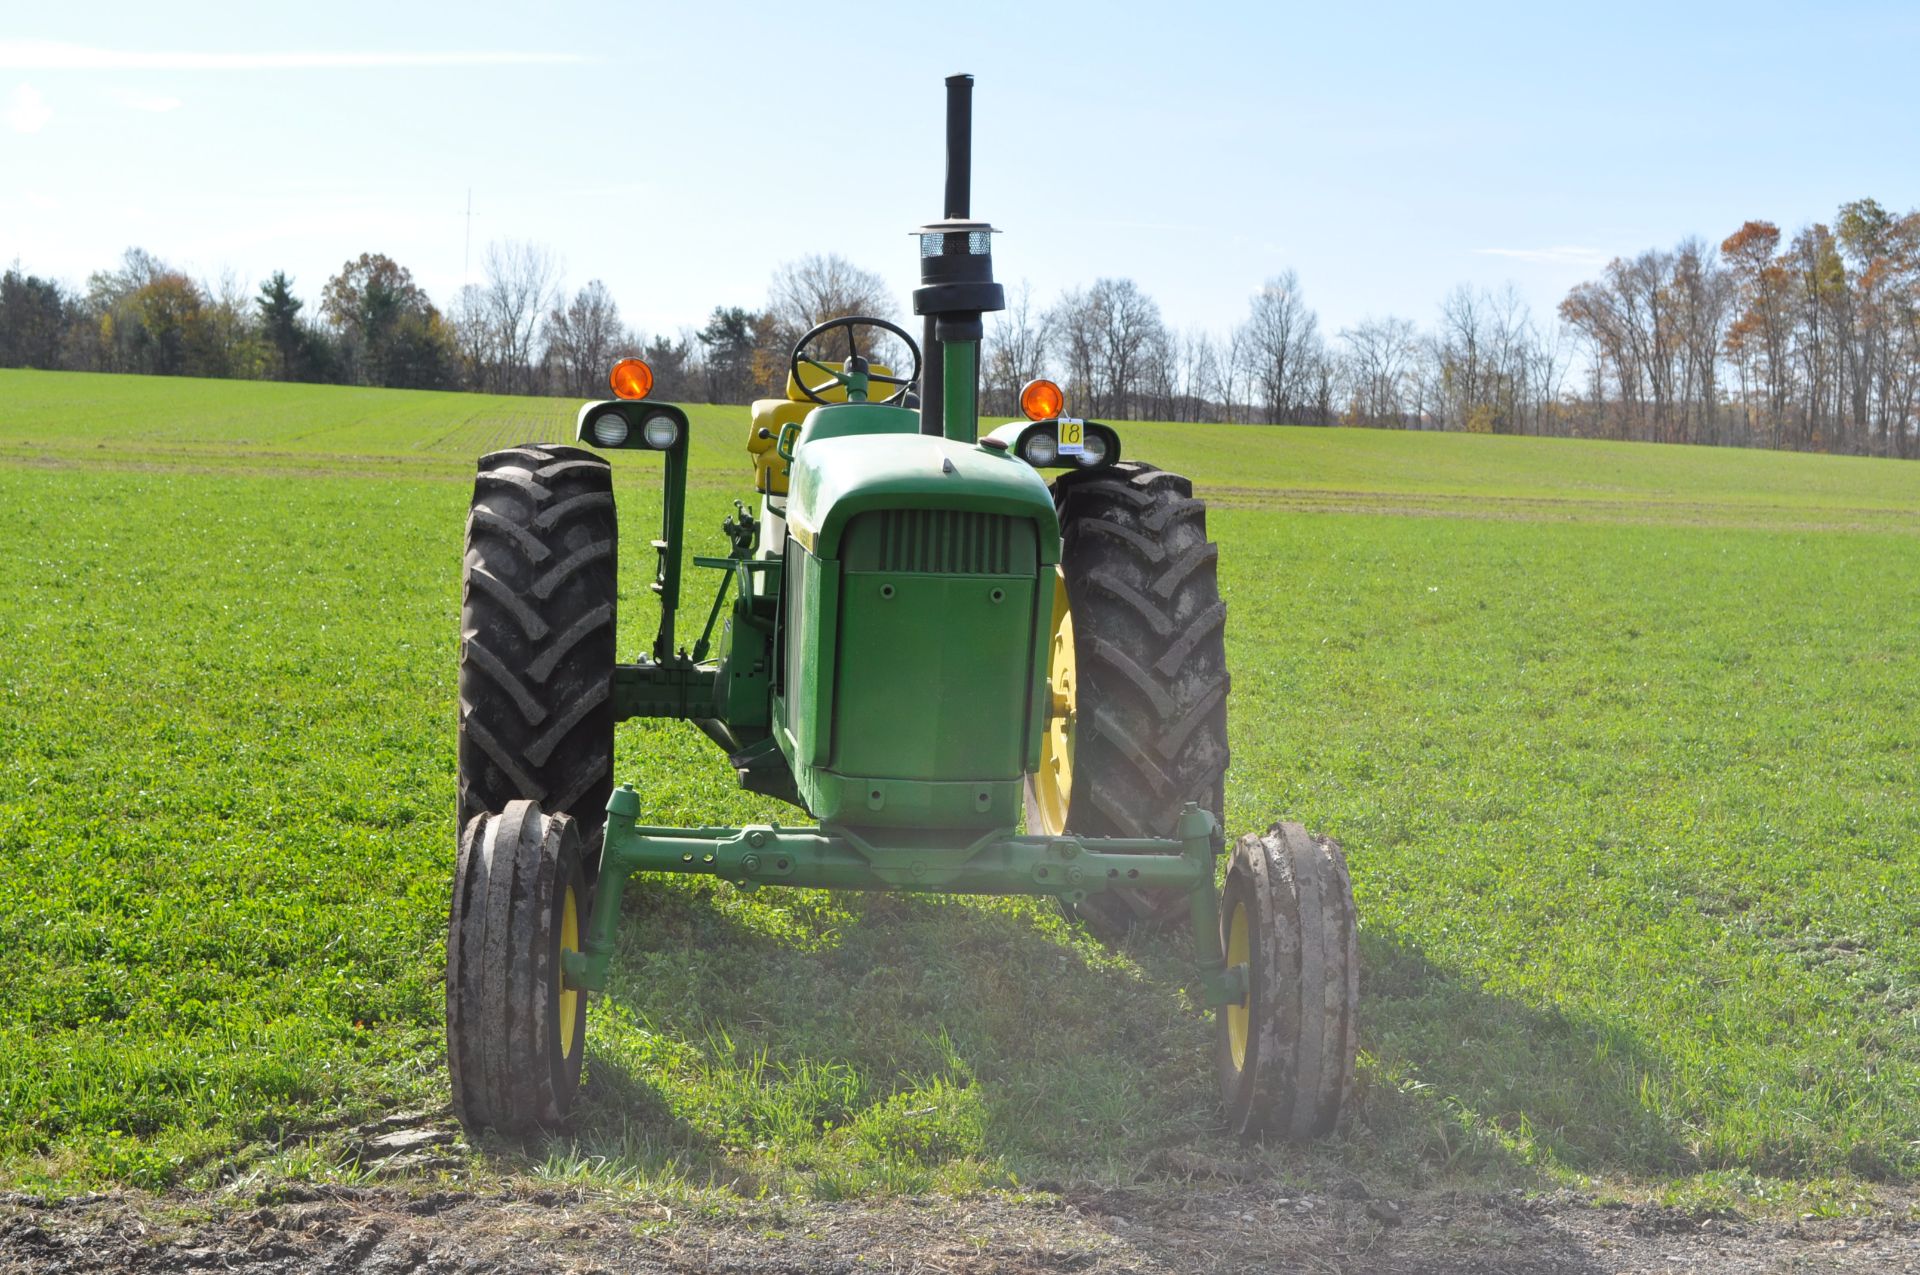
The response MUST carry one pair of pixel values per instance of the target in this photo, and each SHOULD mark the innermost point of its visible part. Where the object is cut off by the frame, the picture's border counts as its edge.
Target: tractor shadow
(743, 1038)
(1464, 1078)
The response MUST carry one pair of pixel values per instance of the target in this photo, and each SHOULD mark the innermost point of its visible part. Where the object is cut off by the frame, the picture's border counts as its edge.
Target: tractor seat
(771, 414)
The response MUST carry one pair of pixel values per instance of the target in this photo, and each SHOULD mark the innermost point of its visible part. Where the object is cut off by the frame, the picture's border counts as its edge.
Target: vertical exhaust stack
(959, 147)
(956, 286)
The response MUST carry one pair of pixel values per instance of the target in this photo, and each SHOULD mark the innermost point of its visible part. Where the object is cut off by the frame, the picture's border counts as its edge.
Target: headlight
(1040, 449)
(1094, 450)
(661, 432)
(609, 429)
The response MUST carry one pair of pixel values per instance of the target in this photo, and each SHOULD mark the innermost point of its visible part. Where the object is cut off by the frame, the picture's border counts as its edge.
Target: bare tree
(1076, 343)
(1759, 337)
(584, 337)
(1547, 375)
(473, 338)
(1282, 338)
(1703, 300)
(808, 292)
(1379, 364)
(1199, 371)
(229, 347)
(1015, 352)
(1230, 373)
(1653, 327)
(1160, 375)
(1126, 325)
(520, 279)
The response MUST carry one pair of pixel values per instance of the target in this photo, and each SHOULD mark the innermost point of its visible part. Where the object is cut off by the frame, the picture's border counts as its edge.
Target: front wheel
(537, 637)
(1286, 1050)
(1136, 675)
(515, 1031)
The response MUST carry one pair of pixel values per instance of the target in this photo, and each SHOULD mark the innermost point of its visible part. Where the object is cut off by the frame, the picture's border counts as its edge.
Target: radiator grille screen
(945, 541)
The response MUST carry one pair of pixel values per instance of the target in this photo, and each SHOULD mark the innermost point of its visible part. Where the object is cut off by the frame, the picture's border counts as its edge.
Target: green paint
(996, 862)
(837, 478)
(960, 390)
(847, 420)
(673, 499)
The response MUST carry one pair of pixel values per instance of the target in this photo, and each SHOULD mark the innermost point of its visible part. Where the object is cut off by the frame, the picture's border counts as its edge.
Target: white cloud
(142, 102)
(1589, 257)
(27, 111)
(50, 55)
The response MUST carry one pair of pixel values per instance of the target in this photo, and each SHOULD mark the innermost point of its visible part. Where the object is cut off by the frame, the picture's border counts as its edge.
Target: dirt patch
(1087, 1230)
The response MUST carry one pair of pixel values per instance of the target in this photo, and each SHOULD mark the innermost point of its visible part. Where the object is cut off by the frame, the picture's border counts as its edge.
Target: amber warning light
(631, 378)
(1041, 400)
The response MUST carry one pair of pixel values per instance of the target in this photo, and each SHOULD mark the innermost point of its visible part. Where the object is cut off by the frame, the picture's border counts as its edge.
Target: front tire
(1286, 1052)
(516, 1034)
(1138, 675)
(538, 599)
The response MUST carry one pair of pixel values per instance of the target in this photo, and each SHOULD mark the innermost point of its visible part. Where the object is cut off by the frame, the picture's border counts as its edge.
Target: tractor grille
(945, 541)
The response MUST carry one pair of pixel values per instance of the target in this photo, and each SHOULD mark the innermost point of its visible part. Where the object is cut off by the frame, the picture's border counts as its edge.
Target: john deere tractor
(988, 665)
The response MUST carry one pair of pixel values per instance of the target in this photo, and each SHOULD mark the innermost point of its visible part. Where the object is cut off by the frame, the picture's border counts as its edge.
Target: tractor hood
(837, 479)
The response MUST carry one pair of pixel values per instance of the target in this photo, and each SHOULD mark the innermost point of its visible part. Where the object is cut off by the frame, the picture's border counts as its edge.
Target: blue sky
(680, 152)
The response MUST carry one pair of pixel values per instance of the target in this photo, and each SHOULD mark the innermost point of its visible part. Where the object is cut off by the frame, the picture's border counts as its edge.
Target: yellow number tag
(1073, 436)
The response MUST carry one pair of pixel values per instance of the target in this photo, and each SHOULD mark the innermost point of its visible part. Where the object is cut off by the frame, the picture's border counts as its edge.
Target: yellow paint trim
(833, 391)
(804, 534)
(769, 416)
(1237, 1015)
(569, 997)
(1053, 782)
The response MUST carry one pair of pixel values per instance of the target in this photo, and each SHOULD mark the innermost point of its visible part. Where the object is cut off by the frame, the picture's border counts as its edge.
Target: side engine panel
(913, 632)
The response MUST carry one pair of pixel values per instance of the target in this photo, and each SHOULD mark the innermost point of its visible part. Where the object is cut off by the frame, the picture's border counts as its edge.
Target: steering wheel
(853, 373)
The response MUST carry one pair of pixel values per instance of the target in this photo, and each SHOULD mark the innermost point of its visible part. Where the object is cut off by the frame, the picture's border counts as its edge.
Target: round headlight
(1040, 449)
(1094, 450)
(662, 432)
(609, 429)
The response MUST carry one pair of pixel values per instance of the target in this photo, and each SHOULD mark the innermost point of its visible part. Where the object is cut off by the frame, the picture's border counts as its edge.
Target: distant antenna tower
(466, 253)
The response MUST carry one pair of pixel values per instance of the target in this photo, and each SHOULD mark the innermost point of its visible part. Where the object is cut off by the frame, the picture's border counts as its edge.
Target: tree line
(518, 331)
(1484, 366)
(1811, 343)
(373, 325)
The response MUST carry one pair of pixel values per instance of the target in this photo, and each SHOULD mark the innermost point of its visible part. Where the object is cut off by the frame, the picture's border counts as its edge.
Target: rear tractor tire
(1137, 725)
(537, 607)
(1286, 1052)
(515, 1033)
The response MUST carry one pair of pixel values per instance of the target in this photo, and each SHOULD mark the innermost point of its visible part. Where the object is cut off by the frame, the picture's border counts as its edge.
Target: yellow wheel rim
(1237, 1013)
(569, 997)
(1053, 782)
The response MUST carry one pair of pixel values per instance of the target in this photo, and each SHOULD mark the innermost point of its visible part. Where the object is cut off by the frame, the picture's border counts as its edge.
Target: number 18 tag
(1073, 436)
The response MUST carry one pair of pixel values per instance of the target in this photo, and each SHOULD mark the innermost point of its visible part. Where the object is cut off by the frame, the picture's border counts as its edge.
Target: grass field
(1620, 741)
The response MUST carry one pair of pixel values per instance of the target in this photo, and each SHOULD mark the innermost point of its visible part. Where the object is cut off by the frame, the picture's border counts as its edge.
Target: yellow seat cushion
(770, 414)
(837, 393)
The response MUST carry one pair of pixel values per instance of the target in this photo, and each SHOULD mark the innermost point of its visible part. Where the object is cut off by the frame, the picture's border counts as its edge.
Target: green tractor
(973, 678)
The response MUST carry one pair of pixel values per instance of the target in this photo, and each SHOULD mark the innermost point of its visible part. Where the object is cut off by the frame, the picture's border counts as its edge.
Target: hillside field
(1620, 741)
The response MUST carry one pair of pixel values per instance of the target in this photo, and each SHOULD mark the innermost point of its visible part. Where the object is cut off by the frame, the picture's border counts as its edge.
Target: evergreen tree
(280, 315)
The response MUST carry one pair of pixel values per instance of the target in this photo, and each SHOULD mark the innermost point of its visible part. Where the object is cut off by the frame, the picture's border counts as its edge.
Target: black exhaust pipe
(956, 268)
(959, 147)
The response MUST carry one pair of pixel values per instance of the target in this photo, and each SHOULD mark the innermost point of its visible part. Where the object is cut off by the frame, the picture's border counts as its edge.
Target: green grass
(1620, 741)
